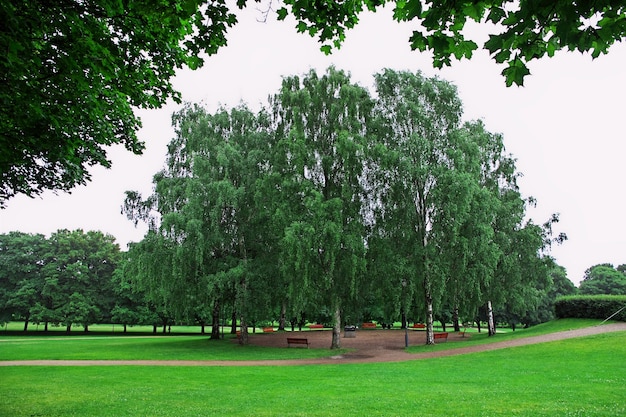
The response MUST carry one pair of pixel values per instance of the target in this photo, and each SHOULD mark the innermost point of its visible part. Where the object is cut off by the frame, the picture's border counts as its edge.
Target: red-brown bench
(268, 330)
(297, 341)
(419, 326)
(368, 326)
(443, 336)
(316, 326)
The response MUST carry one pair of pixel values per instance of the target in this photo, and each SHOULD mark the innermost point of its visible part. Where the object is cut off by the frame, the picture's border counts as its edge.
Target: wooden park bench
(443, 336)
(368, 325)
(268, 329)
(419, 326)
(316, 326)
(297, 341)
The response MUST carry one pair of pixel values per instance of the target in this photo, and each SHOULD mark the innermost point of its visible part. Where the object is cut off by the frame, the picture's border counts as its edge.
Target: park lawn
(575, 377)
(473, 338)
(119, 347)
(144, 348)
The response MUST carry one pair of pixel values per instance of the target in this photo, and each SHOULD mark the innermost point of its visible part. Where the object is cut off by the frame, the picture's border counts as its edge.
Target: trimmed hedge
(591, 307)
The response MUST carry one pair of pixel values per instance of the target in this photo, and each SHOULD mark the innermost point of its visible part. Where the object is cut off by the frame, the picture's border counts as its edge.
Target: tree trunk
(282, 320)
(215, 321)
(430, 337)
(491, 321)
(455, 319)
(243, 332)
(86, 328)
(45, 327)
(404, 321)
(125, 328)
(26, 325)
(233, 322)
(154, 329)
(68, 328)
(243, 288)
(336, 341)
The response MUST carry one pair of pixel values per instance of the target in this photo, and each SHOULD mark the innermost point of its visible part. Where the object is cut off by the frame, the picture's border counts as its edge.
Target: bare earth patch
(368, 346)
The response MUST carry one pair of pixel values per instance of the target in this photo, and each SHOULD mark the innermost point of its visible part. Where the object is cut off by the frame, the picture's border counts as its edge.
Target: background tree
(78, 278)
(603, 279)
(131, 304)
(22, 257)
(559, 285)
(473, 252)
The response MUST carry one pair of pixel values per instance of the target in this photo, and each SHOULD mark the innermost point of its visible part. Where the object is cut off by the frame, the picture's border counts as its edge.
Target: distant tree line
(604, 279)
(28, 286)
(70, 278)
(75, 277)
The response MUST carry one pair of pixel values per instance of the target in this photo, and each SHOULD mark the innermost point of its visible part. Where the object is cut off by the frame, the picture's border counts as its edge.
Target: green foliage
(603, 279)
(321, 124)
(338, 206)
(592, 306)
(418, 181)
(22, 258)
(519, 31)
(547, 292)
(446, 204)
(211, 242)
(66, 279)
(72, 71)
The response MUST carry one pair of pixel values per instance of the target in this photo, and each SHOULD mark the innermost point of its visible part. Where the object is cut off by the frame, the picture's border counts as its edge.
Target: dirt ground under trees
(367, 346)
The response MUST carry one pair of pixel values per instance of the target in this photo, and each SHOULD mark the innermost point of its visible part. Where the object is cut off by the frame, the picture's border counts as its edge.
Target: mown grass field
(576, 377)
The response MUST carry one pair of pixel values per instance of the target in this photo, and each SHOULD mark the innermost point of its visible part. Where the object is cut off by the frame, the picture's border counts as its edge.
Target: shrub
(591, 307)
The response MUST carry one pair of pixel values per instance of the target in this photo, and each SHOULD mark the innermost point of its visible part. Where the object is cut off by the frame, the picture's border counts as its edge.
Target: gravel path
(369, 346)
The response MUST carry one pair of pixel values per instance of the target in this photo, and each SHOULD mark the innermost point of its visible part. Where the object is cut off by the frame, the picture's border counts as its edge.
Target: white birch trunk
(336, 342)
(430, 334)
(491, 322)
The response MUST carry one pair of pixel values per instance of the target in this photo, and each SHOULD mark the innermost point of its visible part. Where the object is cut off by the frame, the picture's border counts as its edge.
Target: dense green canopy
(520, 31)
(72, 72)
(340, 207)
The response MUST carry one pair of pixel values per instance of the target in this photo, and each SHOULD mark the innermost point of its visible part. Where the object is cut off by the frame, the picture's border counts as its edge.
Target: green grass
(112, 347)
(104, 329)
(577, 377)
(143, 347)
(474, 338)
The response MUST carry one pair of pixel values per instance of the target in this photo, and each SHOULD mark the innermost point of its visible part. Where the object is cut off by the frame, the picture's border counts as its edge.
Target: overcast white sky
(565, 127)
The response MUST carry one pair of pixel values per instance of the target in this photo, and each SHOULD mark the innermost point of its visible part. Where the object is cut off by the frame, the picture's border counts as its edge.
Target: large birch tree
(203, 235)
(423, 196)
(324, 118)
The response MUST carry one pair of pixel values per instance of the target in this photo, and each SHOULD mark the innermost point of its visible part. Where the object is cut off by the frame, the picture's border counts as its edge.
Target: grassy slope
(585, 377)
(575, 377)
